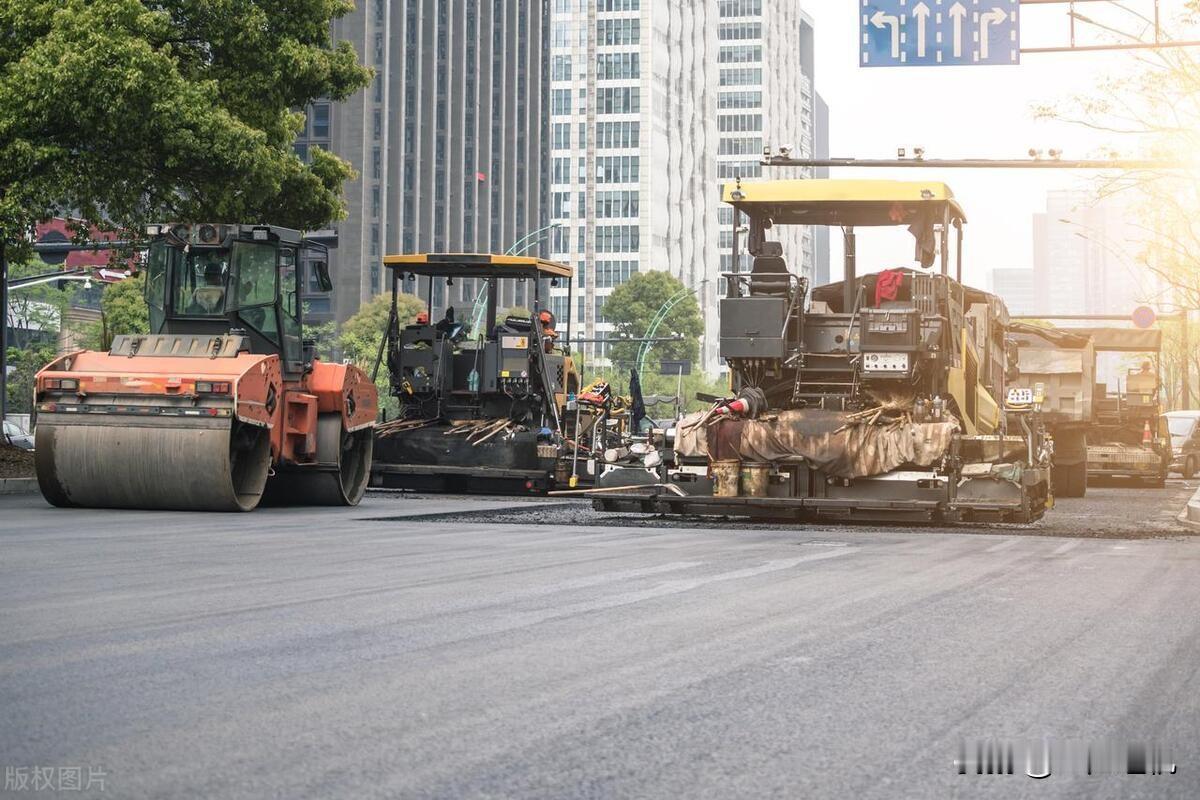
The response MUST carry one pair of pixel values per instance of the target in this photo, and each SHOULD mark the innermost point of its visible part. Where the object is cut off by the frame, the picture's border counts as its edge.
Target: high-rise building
(449, 141)
(1085, 256)
(766, 99)
(655, 105)
(633, 148)
(1015, 286)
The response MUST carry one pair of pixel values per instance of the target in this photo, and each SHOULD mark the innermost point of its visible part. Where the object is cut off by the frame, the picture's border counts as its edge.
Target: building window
(618, 169)
(611, 32)
(560, 101)
(740, 54)
(745, 99)
(617, 238)
(618, 100)
(320, 121)
(562, 136)
(618, 66)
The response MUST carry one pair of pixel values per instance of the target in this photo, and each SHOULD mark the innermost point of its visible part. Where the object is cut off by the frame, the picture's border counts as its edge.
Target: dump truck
(1059, 364)
(483, 400)
(223, 403)
(882, 397)
(1096, 433)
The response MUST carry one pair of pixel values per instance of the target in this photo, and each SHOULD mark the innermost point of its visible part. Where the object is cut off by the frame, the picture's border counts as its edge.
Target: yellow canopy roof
(476, 265)
(820, 201)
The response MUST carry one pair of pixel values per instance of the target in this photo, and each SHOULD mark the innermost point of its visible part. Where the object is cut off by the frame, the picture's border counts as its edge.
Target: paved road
(334, 653)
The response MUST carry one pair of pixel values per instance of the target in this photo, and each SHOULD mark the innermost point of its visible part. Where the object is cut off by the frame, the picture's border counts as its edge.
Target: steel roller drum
(193, 464)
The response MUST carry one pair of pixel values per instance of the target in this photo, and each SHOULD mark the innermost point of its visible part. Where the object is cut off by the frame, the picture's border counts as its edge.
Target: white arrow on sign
(957, 13)
(921, 12)
(993, 17)
(881, 20)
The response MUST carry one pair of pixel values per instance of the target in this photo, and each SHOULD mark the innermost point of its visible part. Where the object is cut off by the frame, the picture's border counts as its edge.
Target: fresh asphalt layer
(417, 647)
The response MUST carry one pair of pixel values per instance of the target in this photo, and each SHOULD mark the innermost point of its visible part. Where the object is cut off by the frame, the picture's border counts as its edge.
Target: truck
(1096, 433)
(882, 397)
(1060, 365)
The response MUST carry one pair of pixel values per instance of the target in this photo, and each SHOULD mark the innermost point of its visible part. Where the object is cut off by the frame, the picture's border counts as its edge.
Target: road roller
(223, 405)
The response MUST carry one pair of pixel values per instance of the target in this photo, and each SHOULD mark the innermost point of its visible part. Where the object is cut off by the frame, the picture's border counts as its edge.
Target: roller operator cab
(881, 397)
(222, 403)
(482, 391)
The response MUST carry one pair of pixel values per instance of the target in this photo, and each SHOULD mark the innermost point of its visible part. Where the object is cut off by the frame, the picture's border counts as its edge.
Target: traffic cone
(738, 406)
(1147, 435)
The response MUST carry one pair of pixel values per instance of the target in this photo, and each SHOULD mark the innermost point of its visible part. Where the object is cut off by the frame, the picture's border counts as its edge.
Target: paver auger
(223, 403)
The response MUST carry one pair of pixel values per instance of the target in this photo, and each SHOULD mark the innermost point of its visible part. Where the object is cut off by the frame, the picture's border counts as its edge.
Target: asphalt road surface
(433, 647)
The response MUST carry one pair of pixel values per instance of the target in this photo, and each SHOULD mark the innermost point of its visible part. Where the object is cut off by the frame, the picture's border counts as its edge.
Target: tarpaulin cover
(1037, 361)
(822, 438)
(1123, 340)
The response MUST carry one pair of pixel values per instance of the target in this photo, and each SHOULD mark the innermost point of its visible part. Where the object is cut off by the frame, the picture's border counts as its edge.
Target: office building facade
(449, 141)
(1016, 287)
(654, 106)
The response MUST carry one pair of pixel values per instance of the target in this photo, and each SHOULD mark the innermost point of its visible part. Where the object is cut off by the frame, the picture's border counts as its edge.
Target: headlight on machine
(885, 362)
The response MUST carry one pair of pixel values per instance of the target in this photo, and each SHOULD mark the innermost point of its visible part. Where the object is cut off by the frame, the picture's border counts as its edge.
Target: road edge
(1190, 516)
(18, 486)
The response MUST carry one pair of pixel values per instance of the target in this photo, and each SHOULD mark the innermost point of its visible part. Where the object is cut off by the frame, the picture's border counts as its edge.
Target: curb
(18, 486)
(1190, 515)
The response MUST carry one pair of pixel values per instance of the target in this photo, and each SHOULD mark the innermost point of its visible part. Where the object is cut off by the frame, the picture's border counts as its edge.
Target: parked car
(18, 437)
(1185, 441)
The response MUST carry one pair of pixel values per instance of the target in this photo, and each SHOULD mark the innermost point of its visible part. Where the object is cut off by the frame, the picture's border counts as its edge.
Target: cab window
(256, 274)
(201, 284)
(158, 262)
(290, 314)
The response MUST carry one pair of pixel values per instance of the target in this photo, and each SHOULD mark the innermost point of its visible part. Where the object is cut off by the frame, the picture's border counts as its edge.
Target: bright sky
(957, 112)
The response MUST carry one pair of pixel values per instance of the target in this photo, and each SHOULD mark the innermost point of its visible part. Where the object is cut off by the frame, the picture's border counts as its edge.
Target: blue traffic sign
(939, 33)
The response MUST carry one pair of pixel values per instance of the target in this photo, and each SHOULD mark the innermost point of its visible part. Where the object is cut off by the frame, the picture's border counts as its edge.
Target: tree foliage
(632, 307)
(34, 312)
(123, 311)
(360, 335)
(123, 111)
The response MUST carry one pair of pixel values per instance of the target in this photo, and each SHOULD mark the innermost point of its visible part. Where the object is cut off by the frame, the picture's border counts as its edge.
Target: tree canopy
(632, 307)
(121, 112)
(122, 311)
(360, 335)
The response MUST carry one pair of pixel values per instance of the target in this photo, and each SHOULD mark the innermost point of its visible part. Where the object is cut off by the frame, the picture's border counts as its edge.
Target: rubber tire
(1189, 468)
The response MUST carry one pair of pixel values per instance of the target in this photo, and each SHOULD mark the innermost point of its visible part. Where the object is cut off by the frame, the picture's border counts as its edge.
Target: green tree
(125, 112)
(360, 335)
(35, 312)
(633, 305)
(122, 311)
(25, 363)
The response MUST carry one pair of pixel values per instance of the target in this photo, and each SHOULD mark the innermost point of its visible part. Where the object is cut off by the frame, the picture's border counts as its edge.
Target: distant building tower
(449, 140)
(655, 105)
(1085, 256)
(1016, 288)
(633, 149)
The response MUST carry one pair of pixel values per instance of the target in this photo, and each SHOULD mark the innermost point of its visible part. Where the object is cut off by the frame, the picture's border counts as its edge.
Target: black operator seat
(769, 276)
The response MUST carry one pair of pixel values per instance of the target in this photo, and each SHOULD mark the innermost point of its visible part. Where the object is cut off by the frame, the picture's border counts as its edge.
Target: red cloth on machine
(887, 285)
